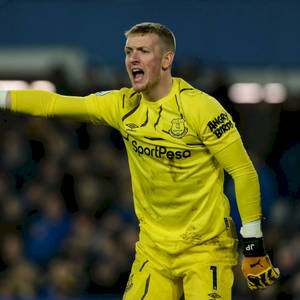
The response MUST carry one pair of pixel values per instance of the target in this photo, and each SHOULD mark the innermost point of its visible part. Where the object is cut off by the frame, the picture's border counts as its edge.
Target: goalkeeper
(179, 141)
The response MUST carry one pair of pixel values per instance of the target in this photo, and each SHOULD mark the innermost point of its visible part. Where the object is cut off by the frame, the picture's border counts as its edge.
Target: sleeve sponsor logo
(219, 125)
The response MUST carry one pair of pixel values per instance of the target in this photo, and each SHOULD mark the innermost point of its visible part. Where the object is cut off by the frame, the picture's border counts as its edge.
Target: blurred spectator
(16, 157)
(12, 213)
(82, 235)
(46, 229)
(63, 278)
(290, 165)
(6, 184)
(14, 149)
(19, 277)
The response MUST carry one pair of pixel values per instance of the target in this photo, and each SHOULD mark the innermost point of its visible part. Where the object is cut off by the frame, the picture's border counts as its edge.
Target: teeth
(136, 70)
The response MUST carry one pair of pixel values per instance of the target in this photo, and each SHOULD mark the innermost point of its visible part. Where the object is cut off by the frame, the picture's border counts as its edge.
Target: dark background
(67, 227)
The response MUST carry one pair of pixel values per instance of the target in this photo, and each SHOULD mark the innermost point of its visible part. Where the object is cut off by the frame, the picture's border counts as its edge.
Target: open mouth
(137, 74)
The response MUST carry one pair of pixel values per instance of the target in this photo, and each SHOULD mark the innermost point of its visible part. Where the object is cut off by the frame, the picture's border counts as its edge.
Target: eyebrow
(138, 48)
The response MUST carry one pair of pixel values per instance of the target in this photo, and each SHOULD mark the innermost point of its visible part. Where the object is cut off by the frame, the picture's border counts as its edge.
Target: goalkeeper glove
(256, 265)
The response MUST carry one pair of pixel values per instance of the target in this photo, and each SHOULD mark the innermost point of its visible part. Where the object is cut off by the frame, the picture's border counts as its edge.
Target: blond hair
(164, 33)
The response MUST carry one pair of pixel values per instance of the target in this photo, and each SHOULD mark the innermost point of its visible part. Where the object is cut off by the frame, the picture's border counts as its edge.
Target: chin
(138, 87)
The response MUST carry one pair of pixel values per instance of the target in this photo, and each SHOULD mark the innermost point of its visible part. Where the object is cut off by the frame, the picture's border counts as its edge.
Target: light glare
(43, 85)
(275, 93)
(6, 85)
(246, 93)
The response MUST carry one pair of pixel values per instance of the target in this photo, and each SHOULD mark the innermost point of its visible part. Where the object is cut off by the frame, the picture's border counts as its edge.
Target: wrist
(252, 243)
(253, 247)
(251, 229)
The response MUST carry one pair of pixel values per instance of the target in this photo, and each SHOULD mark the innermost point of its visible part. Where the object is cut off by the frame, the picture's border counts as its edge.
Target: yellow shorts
(201, 272)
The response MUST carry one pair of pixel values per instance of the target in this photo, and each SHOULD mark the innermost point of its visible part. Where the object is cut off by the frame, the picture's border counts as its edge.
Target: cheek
(154, 66)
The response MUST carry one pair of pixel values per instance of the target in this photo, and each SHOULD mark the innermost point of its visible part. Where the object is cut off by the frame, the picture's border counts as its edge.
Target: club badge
(178, 129)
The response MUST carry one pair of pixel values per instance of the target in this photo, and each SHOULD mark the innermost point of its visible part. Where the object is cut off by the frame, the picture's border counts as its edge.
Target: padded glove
(256, 265)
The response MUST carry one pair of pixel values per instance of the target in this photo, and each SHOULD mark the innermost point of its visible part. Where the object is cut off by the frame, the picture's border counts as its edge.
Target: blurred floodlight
(43, 85)
(13, 85)
(275, 93)
(246, 93)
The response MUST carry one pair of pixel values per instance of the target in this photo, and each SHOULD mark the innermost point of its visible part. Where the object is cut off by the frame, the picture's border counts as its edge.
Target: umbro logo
(132, 125)
(214, 296)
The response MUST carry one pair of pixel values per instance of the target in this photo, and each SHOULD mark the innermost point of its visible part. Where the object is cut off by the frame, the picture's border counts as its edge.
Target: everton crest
(178, 128)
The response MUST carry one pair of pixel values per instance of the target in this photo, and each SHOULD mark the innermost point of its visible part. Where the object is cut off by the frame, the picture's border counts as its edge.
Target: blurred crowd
(67, 222)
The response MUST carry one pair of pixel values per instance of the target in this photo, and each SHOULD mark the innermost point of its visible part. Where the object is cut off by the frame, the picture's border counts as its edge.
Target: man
(179, 140)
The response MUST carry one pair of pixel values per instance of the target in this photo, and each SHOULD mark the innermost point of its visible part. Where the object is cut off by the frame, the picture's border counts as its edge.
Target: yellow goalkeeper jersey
(177, 183)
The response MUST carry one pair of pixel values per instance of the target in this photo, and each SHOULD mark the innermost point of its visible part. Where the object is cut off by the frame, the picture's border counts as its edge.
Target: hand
(259, 272)
(257, 266)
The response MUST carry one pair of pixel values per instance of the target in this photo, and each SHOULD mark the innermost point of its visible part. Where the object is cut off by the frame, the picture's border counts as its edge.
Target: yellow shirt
(172, 145)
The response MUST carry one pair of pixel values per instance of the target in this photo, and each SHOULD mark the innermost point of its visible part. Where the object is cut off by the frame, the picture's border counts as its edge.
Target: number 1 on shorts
(214, 277)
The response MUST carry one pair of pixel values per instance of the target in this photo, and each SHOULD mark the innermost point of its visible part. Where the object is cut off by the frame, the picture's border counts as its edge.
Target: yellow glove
(256, 265)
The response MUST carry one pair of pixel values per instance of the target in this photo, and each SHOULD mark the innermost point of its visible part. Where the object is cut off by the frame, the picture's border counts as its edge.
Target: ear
(167, 60)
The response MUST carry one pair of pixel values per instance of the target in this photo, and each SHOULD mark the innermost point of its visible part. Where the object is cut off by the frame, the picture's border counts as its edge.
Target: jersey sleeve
(216, 128)
(218, 132)
(104, 108)
(236, 162)
(101, 108)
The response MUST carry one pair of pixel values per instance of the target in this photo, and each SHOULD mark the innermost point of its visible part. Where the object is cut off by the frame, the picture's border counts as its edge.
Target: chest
(164, 122)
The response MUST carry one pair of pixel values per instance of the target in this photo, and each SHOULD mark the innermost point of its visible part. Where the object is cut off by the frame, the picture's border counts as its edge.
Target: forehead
(142, 40)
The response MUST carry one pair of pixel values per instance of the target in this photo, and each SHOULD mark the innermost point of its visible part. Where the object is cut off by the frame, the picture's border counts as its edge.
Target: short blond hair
(166, 36)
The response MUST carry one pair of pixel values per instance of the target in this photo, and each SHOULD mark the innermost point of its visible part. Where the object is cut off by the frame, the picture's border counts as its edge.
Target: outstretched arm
(99, 108)
(45, 104)
(256, 266)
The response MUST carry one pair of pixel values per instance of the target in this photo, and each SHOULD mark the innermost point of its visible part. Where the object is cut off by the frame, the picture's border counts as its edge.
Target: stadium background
(67, 227)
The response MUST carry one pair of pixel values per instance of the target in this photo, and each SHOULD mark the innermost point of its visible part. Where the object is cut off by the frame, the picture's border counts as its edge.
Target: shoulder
(120, 95)
(124, 98)
(108, 93)
(123, 92)
(194, 98)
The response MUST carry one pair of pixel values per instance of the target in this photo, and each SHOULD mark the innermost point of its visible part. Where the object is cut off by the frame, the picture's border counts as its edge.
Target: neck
(160, 90)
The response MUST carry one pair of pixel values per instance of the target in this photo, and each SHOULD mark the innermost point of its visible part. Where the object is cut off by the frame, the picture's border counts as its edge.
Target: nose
(134, 57)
